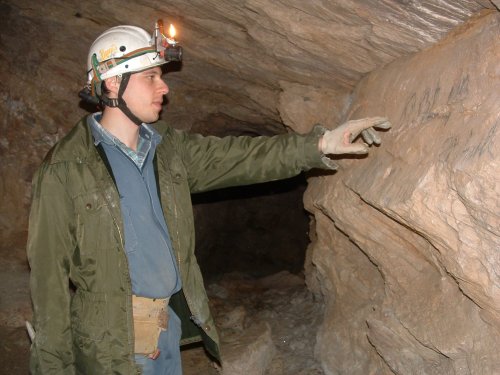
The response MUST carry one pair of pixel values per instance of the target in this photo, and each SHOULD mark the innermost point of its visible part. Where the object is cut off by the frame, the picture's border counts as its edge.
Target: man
(114, 279)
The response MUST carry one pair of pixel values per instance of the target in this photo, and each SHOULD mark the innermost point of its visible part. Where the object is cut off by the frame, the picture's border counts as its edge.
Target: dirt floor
(278, 308)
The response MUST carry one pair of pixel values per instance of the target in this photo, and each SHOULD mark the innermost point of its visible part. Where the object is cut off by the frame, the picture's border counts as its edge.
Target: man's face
(144, 94)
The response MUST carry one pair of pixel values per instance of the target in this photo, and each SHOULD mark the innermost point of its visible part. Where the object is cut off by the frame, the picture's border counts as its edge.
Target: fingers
(357, 126)
(384, 123)
(371, 137)
(367, 136)
(366, 127)
(154, 355)
(340, 140)
(355, 148)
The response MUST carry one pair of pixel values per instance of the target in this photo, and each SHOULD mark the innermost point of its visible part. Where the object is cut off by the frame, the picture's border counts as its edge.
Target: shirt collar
(146, 132)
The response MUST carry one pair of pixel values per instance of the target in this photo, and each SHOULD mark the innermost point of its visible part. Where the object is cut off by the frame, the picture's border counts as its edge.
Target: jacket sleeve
(213, 162)
(50, 243)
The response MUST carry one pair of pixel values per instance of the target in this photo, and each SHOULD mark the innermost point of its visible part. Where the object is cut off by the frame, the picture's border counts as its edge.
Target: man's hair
(105, 91)
(104, 88)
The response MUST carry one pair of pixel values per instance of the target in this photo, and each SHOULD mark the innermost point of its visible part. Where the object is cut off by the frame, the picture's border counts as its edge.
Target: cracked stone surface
(404, 249)
(248, 60)
(407, 241)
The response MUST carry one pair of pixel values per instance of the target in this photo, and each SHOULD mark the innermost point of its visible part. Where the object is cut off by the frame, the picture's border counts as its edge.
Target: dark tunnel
(256, 230)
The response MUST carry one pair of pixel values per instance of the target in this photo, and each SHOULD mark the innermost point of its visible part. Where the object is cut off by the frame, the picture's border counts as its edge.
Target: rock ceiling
(239, 55)
(250, 66)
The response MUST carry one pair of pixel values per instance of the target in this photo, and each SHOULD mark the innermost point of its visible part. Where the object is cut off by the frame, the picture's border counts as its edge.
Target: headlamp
(167, 47)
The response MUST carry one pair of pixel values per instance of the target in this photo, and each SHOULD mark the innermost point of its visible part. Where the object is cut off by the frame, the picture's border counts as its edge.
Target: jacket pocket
(89, 208)
(91, 356)
(177, 171)
(88, 315)
(89, 325)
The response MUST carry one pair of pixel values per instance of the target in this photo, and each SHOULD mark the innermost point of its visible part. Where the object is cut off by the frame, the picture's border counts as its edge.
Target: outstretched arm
(213, 162)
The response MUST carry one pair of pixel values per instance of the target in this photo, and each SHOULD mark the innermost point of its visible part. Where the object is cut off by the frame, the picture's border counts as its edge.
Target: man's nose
(163, 87)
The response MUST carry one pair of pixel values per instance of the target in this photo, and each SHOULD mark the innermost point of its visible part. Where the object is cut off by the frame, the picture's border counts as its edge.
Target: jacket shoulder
(166, 130)
(73, 146)
(171, 137)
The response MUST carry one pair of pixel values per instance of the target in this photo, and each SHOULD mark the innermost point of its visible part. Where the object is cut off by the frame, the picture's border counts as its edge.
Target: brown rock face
(248, 60)
(405, 245)
(407, 241)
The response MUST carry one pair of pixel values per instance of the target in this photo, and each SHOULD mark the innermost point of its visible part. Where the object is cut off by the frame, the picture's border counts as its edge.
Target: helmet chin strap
(120, 102)
(123, 105)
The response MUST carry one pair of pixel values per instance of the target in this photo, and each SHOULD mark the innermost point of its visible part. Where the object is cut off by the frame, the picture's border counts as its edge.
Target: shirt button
(88, 206)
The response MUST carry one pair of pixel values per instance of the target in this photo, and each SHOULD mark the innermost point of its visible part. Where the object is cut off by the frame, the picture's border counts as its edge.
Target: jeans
(169, 361)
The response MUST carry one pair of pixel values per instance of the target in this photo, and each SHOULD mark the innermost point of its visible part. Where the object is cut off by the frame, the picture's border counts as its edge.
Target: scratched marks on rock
(433, 102)
(459, 90)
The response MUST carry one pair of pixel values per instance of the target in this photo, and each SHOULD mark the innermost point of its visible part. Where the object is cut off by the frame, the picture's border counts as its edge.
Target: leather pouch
(150, 318)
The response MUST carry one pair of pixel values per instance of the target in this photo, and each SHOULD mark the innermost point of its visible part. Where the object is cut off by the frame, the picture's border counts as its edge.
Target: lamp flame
(171, 31)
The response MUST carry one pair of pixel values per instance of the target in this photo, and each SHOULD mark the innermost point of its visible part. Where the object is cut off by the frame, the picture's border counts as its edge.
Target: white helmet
(120, 50)
(123, 50)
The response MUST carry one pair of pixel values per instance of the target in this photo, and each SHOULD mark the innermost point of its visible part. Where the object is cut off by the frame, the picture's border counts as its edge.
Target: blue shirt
(152, 265)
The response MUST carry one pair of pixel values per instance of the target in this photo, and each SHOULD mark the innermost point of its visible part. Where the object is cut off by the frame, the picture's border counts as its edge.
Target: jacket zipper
(178, 243)
(193, 317)
(122, 243)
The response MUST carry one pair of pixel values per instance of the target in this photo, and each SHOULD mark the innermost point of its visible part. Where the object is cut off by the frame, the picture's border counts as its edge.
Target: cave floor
(267, 326)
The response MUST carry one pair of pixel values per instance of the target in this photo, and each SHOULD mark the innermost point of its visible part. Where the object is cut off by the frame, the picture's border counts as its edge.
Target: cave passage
(251, 243)
(257, 230)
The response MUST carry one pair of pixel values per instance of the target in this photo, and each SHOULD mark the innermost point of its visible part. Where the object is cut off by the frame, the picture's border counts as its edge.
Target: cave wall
(262, 62)
(406, 243)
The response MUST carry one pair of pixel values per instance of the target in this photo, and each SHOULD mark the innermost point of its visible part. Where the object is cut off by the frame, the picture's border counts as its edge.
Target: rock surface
(405, 244)
(407, 241)
(267, 325)
(247, 60)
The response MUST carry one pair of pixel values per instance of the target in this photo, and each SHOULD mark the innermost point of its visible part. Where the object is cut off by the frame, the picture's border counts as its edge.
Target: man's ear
(112, 85)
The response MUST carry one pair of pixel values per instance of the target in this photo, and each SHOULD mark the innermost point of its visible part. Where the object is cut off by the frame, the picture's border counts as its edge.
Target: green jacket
(80, 283)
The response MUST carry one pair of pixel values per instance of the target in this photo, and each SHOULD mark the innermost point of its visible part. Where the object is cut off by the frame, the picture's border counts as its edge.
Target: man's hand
(339, 140)
(154, 355)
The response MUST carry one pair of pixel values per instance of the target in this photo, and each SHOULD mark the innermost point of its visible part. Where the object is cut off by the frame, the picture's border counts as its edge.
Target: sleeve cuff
(313, 156)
